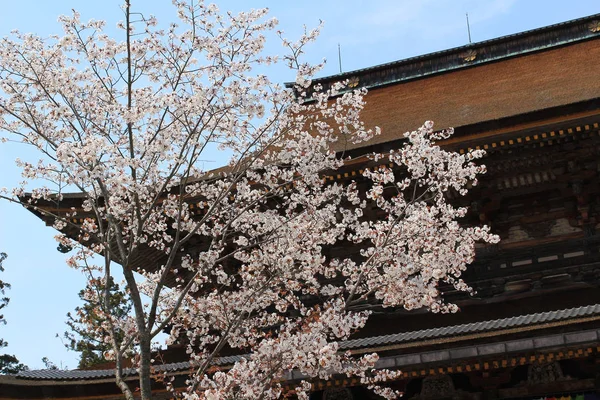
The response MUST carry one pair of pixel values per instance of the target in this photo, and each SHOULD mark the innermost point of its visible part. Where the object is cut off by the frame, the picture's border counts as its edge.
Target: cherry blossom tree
(235, 259)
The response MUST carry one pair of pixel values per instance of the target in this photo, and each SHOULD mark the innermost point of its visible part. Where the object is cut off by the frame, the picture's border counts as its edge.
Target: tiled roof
(476, 327)
(472, 54)
(49, 374)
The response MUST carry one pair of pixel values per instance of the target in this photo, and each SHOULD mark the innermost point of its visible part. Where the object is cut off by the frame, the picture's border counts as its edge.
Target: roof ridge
(474, 45)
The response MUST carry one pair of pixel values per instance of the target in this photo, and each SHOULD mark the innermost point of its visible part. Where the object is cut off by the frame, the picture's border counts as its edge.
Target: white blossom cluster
(242, 259)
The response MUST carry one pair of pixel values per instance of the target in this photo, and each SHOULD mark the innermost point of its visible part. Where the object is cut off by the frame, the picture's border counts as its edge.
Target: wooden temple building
(532, 330)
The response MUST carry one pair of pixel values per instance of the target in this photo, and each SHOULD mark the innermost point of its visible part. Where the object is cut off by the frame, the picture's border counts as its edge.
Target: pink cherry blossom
(241, 257)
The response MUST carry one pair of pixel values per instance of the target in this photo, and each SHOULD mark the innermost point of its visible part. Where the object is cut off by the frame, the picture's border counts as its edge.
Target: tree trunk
(144, 369)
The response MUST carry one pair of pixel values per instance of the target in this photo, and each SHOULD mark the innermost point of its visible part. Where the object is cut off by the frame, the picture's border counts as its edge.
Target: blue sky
(369, 32)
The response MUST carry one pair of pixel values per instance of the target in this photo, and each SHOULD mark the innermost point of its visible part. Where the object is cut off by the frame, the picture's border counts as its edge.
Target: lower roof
(533, 321)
